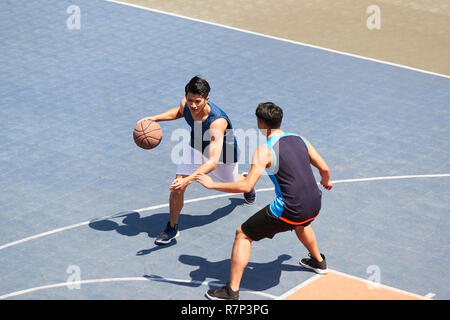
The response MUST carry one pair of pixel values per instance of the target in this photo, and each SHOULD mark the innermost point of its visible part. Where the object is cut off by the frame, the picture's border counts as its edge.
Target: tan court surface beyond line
(414, 33)
(335, 286)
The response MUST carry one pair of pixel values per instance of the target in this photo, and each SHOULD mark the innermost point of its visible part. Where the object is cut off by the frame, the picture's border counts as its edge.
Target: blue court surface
(81, 204)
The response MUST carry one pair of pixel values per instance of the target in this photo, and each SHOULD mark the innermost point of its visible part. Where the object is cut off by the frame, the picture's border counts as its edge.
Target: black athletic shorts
(264, 224)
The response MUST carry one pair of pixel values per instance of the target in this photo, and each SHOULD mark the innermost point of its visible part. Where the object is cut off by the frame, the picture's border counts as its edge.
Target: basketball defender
(288, 158)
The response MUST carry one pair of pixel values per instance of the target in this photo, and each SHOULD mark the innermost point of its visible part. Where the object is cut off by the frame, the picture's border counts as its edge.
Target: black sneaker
(224, 293)
(249, 197)
(313, 264)
(167, 235)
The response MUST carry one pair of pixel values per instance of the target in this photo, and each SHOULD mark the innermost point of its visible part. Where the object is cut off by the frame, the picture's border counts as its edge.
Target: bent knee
(241, 235)
(178, 192)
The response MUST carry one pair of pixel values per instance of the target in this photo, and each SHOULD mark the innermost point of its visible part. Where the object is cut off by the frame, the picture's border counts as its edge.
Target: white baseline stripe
(281, 39)
(298, 287)
(442, 175)
(368, 282)
(380, 285)
(40, 235)
(75, 283)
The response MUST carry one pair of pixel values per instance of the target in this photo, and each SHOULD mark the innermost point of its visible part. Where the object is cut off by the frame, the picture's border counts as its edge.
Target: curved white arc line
(206, 283)
(74, 283)
(71, 283)
(43, 234)
(40, 235)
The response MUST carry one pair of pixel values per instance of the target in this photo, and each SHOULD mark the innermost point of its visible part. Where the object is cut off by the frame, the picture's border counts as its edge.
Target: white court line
(40, 235)
(298, 287)
(280, 39)
(430, 295)
(166, 205)
(83, 282)
(66, 284)
(394, 178)
(205, 283)
(368, 283)
(379, 285)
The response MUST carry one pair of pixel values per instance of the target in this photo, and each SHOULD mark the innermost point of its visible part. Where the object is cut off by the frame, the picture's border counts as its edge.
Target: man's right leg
(176, 202)
(317, 261)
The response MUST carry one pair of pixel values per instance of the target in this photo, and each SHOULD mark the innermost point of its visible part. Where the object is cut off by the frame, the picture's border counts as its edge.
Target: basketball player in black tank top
(292, 209)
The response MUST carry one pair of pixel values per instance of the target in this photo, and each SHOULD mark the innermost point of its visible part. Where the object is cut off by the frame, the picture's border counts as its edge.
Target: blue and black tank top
(298, 197)
(200, 137)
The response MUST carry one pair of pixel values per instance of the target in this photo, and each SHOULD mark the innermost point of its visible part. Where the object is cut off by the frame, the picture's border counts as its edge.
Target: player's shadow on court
(256, 277)
(133, 224)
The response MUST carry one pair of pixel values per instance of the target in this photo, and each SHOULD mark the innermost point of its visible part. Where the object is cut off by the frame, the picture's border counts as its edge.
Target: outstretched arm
(171, 114)
(217, 131)
(261, 160)
(317, 161)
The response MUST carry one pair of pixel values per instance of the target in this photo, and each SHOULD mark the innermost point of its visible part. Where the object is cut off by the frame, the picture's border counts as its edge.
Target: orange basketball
(147, 134)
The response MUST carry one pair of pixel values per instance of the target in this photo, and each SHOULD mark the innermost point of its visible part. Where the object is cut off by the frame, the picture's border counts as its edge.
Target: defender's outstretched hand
(204, 180)
(179, 184)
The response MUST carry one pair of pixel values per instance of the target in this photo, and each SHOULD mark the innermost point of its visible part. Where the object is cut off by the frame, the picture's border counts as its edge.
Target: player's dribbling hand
(151, 118)
(204, 180)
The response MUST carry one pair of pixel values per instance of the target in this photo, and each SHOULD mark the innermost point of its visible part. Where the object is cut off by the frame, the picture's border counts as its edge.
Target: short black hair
(199, 86)
(270, 114)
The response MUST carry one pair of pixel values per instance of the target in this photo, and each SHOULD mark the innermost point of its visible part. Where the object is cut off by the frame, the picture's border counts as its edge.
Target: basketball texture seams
(147, 134)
